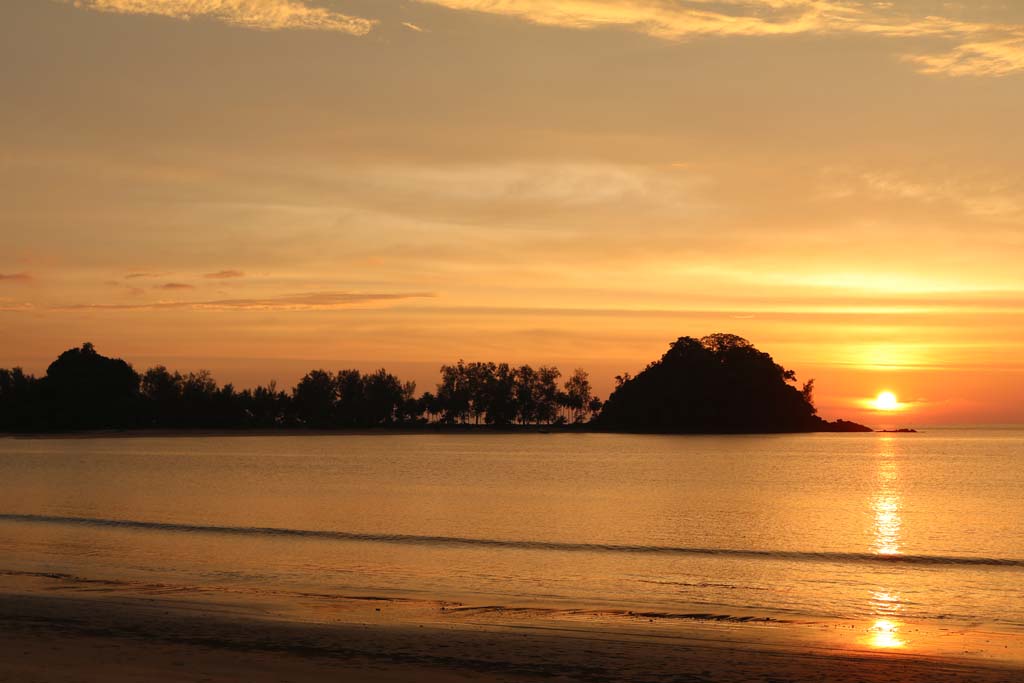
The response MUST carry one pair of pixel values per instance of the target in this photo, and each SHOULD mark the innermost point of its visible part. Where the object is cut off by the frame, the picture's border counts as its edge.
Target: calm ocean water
(915, 527)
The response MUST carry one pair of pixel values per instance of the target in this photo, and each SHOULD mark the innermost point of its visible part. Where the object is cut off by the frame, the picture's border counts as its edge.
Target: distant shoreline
(719, 384)
(407, 430)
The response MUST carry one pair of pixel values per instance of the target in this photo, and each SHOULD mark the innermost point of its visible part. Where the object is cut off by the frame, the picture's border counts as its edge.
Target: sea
(890, 529)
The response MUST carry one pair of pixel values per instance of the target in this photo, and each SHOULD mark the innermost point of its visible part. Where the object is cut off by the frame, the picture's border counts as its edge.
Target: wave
(410, 539)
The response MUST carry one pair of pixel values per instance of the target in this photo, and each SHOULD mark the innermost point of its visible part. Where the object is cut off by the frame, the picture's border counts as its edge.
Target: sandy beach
(56, 630)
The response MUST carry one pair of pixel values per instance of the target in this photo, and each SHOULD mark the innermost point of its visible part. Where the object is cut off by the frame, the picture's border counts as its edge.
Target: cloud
(664, 19)
(172, 286)
(12, 306)
(991, 198)
(255, 14)
(992, 58)
(224, 275)
(979, 49)
(15, 277)
(511, 188)
(136, 276)
(306, 301)
(808, 304)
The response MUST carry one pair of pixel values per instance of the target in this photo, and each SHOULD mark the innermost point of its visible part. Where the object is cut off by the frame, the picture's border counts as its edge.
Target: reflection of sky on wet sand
(885, 505)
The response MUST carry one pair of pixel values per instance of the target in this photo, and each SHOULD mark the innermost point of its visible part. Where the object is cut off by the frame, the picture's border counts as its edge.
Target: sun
(886, 400)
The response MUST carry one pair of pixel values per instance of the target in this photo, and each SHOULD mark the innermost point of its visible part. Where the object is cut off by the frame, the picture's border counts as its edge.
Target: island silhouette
(718, 384)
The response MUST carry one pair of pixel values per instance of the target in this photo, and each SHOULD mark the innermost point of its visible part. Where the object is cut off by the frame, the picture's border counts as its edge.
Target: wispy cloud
(224, 275)
(521, 186)
(974, 48)
(978, 49)
(305, 301)
(133, 291)
(807, 304)
(256, 14)
(15, 277)
(138, 275)
(997, 57)
(173, 286)
(669, 19)
(991, 198)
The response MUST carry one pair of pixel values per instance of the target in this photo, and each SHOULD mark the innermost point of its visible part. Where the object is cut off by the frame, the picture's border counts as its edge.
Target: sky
(261, 187)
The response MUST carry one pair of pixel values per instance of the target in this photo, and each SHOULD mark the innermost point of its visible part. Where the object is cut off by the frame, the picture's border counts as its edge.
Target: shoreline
(290, 431)
(57, 637)
(54, 627)
(410, 430)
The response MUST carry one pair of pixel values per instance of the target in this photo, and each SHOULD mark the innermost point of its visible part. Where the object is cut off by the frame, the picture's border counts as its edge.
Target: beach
(56, 632)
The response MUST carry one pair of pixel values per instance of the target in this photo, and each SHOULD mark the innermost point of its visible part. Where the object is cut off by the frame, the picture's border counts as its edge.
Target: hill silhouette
(718, 384)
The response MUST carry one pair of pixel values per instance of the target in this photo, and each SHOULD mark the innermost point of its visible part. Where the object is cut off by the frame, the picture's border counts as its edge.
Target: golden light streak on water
(887, 605)
(887, 502)
(885, 506)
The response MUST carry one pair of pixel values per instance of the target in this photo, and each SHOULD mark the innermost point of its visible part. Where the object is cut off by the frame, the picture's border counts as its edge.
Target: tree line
(84, 390)
(716, 384)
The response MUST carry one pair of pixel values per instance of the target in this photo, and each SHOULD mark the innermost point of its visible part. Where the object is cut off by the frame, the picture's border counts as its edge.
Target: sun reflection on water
(886, 504)
(886, 605)
(887, 524)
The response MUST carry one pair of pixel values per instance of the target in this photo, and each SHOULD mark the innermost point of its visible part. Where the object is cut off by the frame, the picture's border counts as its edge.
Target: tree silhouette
(20, 408)
(350, 409)
(453, 393)
(578, 395)
(162, 392)
(500, 397)
(266, 406)
(384, 397)
(84, 390)
(314, 399)
(719, 383)
(546, 394)
(428, 405)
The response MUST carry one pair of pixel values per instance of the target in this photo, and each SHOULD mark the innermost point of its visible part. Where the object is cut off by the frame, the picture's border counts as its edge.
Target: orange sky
(260, 186)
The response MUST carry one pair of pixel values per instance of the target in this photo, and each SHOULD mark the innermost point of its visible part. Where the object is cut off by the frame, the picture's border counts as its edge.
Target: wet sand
(56, 635)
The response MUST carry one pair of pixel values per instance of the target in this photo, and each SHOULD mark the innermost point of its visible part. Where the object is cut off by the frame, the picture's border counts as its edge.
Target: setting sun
(886, 400)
